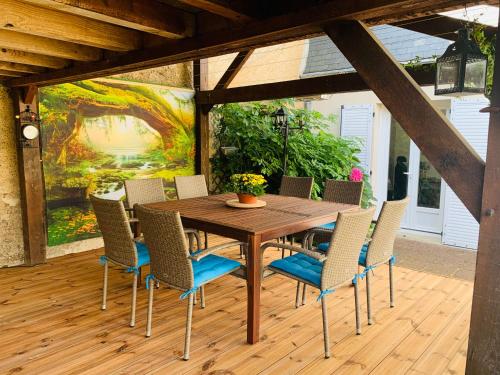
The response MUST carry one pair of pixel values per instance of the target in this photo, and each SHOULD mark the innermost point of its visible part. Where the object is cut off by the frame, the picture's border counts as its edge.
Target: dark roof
(324, 57)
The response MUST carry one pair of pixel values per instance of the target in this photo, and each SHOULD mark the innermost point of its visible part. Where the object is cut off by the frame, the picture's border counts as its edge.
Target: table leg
(253, 288)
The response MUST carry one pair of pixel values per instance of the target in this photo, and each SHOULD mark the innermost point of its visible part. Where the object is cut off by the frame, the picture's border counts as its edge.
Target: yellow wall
(269, 64)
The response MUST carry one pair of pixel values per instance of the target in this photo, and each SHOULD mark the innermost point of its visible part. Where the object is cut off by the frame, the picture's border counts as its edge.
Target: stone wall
(11, 235)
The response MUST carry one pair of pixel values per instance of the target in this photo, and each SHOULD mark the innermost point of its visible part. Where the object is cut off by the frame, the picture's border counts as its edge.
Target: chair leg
(391, 284)
(187, 342)
(368, 299)
(357, 308)
(202, 296)
(241, 252)
(326, 336)
(134, 298)
(304, 295)
(150, 308)
(191, 242)
(297, 295)
(105, 287)
(194, 296)
(206, 240)
(292, 242)
(139, 280)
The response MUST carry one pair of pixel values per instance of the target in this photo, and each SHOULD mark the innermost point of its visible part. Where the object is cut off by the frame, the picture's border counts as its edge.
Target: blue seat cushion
(362, 255)
(142, 254)
(212, 267)
(329, 226)
(302, 266)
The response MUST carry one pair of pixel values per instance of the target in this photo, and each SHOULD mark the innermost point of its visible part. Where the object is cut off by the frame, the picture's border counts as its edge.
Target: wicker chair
(173, 265)
(119, 245)
(380, 249)
(328, 271)
(346, 192)
(192, 187)
(299, 187)
(142, 191)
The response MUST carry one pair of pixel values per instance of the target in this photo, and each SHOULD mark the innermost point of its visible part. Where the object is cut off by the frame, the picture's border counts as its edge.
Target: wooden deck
(51, 323)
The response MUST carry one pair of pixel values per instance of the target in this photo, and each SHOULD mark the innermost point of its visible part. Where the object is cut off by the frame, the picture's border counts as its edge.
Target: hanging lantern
(462, 68)
(30, 126)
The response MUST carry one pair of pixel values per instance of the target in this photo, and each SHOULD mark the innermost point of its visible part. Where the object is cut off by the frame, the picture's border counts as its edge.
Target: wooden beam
(441, 26)
(10, 73)
(33, 20)
(332, 84)
(219, 7)
(274, 30)
(483, 356)
(150, 16)
(22, 68)
(233, 69)
(32, 193)
(30, 93)
(431, 131)
(33, 59)
(48, 47)
(200, 78)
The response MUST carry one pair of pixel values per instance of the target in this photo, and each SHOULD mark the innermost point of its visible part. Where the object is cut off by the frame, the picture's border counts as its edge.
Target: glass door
(410, 173)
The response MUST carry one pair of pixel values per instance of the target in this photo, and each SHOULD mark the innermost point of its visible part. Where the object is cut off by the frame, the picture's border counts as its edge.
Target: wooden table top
(281, 216)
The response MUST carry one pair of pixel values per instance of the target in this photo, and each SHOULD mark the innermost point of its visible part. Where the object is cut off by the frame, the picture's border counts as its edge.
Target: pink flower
(356, 175)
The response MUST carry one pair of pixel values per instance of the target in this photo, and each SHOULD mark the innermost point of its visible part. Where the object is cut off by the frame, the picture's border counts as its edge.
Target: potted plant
(248, 187)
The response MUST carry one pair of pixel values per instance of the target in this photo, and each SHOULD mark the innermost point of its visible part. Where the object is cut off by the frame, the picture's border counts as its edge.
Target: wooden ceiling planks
(234, 38)
(33, 59)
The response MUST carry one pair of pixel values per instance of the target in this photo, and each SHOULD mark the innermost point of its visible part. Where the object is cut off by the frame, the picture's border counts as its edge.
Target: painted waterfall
(98, 133)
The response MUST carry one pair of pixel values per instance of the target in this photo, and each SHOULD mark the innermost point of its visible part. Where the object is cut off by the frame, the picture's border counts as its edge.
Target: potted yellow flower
(248, 187)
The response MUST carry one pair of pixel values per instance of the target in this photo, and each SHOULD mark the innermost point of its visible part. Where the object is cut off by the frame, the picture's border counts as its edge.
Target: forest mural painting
(98, 133)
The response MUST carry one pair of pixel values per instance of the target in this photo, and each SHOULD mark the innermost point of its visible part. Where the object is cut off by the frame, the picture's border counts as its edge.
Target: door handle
(407, 173)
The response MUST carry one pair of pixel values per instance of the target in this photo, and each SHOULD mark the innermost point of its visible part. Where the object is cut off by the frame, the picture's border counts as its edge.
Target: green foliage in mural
(96, 134)
(312, 152)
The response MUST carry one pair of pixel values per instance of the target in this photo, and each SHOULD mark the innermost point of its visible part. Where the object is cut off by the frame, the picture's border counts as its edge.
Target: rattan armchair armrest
(310, 253)
(203, 253)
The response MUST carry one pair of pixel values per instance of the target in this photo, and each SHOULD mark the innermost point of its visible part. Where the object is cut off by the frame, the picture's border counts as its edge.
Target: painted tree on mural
(83, 127)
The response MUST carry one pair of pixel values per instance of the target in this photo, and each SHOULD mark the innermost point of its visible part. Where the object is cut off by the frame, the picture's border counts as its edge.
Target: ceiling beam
(221, 8)
(331, 84)
(453, 158)
(149, 16)
(275, 30)
(50, 47)
(10, 73)
(22, 68)
(33, 20)
(233, 69)
(441, 26)
(20, 57)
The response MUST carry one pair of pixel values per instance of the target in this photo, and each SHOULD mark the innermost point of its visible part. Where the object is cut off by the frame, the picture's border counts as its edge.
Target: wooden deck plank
(51, 323)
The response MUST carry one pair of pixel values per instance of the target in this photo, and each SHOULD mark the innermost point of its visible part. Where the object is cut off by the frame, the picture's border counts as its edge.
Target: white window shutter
(357, 122)
(459, 226)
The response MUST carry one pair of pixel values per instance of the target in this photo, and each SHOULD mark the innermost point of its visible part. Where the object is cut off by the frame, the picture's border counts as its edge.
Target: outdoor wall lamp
(29, 126)
(462, 69)
(280, 122)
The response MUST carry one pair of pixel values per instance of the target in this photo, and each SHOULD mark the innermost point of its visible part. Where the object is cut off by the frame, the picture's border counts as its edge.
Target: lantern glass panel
(475, 75)
(448, 75)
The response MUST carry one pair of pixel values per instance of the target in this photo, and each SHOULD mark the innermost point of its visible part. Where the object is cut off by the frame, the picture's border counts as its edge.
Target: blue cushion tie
(323, 293)
(133, 269)
(188, 292)
(103, 260)
(148, 278)
(392, 261)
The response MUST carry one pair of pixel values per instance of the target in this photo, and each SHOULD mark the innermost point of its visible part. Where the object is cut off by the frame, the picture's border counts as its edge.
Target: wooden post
(483, 355)
(200, 77)
(432, 132)
(32, 189)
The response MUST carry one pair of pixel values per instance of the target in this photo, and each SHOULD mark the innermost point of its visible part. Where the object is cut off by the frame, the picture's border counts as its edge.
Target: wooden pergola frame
(94, 39)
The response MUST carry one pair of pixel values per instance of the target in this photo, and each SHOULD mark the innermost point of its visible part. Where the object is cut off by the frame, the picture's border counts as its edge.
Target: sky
(485, 14)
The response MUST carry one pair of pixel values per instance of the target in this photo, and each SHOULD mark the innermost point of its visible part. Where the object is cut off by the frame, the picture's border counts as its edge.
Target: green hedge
(312, 151)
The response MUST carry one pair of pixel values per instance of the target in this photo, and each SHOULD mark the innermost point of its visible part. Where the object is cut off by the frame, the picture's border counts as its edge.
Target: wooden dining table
(280, 217)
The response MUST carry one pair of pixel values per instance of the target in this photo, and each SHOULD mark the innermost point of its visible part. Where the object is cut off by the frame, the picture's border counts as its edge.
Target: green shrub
(311, 152)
